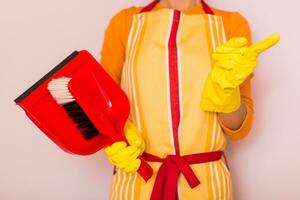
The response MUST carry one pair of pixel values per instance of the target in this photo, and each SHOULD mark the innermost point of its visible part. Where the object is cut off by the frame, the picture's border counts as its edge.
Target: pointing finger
(265, 44)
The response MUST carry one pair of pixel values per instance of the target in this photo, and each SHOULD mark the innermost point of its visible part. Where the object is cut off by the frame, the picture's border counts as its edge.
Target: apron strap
(151, 5)
(206, 8)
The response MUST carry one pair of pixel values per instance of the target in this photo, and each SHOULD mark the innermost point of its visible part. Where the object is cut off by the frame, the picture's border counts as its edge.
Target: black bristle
(83, 123)
(90, 132)
(79, 119)
(77, 112)
(71, 106)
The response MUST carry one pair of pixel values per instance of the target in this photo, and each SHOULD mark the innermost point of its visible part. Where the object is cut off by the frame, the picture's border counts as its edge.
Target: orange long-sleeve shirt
(115, 40)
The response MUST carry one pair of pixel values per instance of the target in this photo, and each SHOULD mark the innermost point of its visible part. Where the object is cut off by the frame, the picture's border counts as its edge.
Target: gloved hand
(126, 156)
(232, 64)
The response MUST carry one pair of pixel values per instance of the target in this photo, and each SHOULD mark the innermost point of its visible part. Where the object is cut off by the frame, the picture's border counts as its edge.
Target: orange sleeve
(112, 54)
(238, 27)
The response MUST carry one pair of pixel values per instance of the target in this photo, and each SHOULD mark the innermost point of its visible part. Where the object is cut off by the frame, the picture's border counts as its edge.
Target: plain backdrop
(35, 35)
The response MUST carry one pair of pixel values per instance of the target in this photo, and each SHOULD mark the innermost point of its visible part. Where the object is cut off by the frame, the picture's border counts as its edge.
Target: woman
(183, 103)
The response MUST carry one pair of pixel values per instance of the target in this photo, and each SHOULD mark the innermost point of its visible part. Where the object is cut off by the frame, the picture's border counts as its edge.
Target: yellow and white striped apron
(149, 78)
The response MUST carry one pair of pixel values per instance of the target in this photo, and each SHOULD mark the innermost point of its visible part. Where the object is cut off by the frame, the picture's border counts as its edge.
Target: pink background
(36, 35)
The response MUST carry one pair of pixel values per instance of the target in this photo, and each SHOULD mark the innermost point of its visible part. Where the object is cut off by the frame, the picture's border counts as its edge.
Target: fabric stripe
(215, 30)
(213, 135)
(212, 32)
(215, 177)
(217, 180)
(132, 44)
(129, 52)
(209, 131)
(130, 36)
(223, 30)
(132, 68)
(219, 138)
(168, 88)
(173, 75)
(225, 187)
(208, 33)
(124, 179)
(213, 39)
(222, 39)
(210, 140)
(180, 93)
(209, 181)
(124, 186)
(212, 175)
(130, 47)
(220, 30)
(227, 175)
(133, 77)
(217, 132)
(126, 73)
(133, 193)
(179, 64)
(119, 180)
(218, 39)
(127, 186)
(112, 195)
(221, 181)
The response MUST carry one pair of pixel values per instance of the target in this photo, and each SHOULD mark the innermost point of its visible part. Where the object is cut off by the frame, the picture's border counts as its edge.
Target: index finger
(266, 43)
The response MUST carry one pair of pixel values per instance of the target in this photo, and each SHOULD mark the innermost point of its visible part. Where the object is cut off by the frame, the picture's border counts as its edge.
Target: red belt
(165, 186)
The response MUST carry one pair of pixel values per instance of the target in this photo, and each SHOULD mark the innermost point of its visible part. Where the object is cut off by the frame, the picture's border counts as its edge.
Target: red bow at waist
(165, 186)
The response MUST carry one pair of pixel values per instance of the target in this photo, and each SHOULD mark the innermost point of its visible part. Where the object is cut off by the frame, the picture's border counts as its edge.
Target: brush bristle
(83, 123)
(59, 90)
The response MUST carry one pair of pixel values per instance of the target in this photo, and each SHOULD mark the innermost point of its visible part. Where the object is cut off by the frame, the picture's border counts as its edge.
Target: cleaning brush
(59, 90)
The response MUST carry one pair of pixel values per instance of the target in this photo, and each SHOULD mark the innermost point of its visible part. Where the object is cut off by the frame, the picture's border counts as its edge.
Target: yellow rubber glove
(232, 64)
(126, 156)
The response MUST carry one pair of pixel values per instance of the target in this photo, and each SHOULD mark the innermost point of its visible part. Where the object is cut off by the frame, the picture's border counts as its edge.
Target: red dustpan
(51, 118)
(99, 96)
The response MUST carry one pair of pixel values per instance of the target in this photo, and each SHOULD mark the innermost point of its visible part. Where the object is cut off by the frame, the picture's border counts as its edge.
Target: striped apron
(167, 63)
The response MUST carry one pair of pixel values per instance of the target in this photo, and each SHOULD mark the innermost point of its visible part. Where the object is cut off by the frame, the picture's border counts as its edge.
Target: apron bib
(167, 63)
